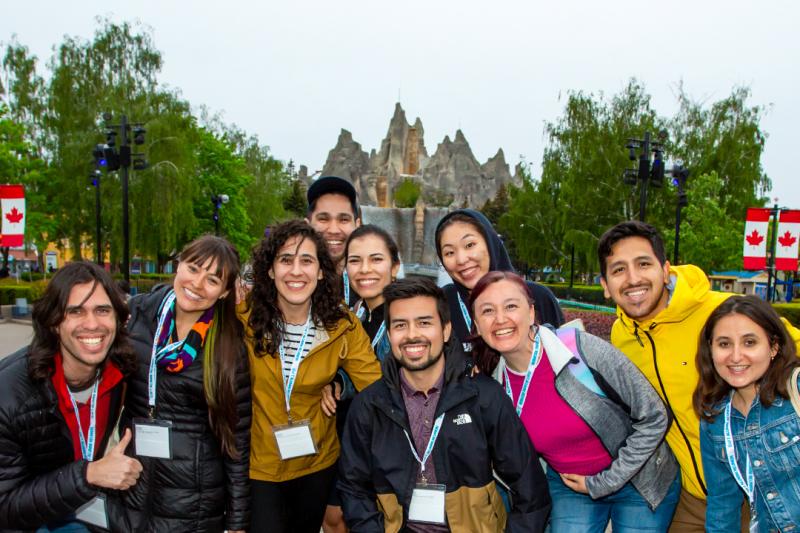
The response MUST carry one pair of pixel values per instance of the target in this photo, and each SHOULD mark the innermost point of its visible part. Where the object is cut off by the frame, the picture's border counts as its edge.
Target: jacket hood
(691, 289)
(498, 255)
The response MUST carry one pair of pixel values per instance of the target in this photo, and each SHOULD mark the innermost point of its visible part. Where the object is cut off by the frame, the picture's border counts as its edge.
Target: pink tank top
(559, 435)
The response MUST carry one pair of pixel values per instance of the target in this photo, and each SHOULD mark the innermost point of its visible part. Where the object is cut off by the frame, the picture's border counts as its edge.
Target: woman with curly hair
(299, 335)
(192, 389)
(749, 429)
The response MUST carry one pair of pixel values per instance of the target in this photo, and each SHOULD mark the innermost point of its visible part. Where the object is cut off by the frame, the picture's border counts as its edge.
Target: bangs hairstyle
(449, 221)
(486, 357)
(50, 309)
(623, 230)
(266, 318)
(210, 248)
(711, 388)
(371, 229)
(223, 346)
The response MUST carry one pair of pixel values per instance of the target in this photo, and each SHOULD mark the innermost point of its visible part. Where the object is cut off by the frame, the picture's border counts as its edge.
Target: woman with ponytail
(189, 402)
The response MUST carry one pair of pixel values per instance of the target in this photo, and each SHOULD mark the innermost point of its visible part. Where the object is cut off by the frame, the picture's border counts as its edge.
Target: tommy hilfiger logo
(463, 418)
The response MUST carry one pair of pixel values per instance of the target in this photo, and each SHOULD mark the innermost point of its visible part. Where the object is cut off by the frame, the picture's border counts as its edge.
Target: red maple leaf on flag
(754, 239)
(786, 240)
(14, 216)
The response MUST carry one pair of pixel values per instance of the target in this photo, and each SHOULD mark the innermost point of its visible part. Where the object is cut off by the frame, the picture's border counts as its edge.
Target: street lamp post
(645, 173)
(218, 200)
(679, 177)
(122, 159)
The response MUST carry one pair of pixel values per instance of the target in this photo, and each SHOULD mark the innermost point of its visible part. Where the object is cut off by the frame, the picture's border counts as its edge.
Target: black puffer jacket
(199, 489)
(40, 480)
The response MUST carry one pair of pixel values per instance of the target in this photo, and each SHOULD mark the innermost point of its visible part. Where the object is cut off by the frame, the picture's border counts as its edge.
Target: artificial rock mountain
(450, 177)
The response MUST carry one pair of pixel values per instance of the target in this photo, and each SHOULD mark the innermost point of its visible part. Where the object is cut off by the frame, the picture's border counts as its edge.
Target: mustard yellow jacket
(346, 346)
(664, 349)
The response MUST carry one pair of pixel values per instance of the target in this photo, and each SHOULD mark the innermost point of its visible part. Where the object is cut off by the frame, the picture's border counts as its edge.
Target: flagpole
(771, 274)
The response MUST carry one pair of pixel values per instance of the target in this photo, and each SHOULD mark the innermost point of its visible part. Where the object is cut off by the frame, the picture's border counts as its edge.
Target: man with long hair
(59, 400)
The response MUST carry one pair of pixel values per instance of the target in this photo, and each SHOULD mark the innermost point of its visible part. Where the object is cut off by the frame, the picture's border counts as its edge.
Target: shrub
(590, 294)
(790, 312)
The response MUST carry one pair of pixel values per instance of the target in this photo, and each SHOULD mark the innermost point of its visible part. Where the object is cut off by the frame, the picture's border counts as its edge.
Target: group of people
(333, 395)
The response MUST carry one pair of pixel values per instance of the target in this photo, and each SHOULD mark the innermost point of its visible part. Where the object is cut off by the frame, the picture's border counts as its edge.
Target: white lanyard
(87, 444)
(346, 281)
(288, 383)
(464, 312)
(536, 358)
(749, 486)
(437, 425)
(157, 354)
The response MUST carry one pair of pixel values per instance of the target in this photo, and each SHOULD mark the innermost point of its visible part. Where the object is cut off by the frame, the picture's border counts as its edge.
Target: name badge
(94, 512)
(294, 439)
(151, 438)
(427, 504)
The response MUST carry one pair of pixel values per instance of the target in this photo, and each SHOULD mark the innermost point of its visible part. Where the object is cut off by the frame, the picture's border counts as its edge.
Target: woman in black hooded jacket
(469, 247)
(187, 334)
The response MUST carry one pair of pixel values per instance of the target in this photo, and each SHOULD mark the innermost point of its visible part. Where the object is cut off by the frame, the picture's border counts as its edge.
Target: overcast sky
(295, 73)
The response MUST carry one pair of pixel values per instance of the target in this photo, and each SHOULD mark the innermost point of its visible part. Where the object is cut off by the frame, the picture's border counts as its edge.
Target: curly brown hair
(266, 319)
(711, 388)
(49, 311)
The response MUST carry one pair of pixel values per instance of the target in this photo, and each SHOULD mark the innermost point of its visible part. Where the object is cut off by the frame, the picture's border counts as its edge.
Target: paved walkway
(14, 336)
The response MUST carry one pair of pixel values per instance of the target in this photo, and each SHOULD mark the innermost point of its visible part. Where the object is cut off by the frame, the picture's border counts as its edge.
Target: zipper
(674, 418)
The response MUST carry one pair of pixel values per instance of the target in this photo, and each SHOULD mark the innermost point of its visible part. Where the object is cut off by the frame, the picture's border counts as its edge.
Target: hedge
(591, 294)
(30, 291)
(790, 312)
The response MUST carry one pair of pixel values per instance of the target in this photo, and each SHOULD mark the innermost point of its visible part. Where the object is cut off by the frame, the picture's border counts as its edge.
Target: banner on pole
(755, 238)
(787, 245)
(12, 207)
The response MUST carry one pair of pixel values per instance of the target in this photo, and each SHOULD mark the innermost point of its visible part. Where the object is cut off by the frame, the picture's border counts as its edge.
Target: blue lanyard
(346, 281)
(156, 354)
(87, 444)
(730, 451)
(361, 311)
(288, 383)
(464, 312)
(536, 358)
(437, 425)
(381, 332)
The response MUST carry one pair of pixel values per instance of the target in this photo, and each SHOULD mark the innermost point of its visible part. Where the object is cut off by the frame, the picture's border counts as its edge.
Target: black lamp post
(646, 173)
(218, 200)
(679, 177)
(122, 159)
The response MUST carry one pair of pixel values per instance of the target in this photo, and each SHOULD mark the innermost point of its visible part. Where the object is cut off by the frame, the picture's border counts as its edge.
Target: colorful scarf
(176, 356)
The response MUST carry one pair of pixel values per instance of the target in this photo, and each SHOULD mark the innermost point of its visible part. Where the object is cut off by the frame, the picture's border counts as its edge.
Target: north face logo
(462, 419)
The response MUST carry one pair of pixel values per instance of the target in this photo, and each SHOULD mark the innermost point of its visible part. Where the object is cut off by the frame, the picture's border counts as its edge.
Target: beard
(418, 366)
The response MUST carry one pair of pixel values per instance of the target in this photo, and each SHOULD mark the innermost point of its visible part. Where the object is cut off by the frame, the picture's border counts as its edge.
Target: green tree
(295, 203)
(407, 193)
(220, 171)
(725, 138)
(710, 238)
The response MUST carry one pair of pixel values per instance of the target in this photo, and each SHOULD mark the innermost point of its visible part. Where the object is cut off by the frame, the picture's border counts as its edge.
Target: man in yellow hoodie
(660, 312)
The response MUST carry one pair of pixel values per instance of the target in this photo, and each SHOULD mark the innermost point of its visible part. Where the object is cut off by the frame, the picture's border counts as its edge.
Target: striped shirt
(292, 333)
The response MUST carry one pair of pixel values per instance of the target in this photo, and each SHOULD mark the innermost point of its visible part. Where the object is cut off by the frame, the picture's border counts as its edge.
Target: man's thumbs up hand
(116, 470)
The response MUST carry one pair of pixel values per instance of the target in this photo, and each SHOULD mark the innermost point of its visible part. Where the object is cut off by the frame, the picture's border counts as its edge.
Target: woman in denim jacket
(745, 357)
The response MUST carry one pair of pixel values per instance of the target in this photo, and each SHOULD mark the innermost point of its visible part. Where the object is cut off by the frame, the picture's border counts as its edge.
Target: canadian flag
(12, 207)
(755, 238)
(788, 235)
